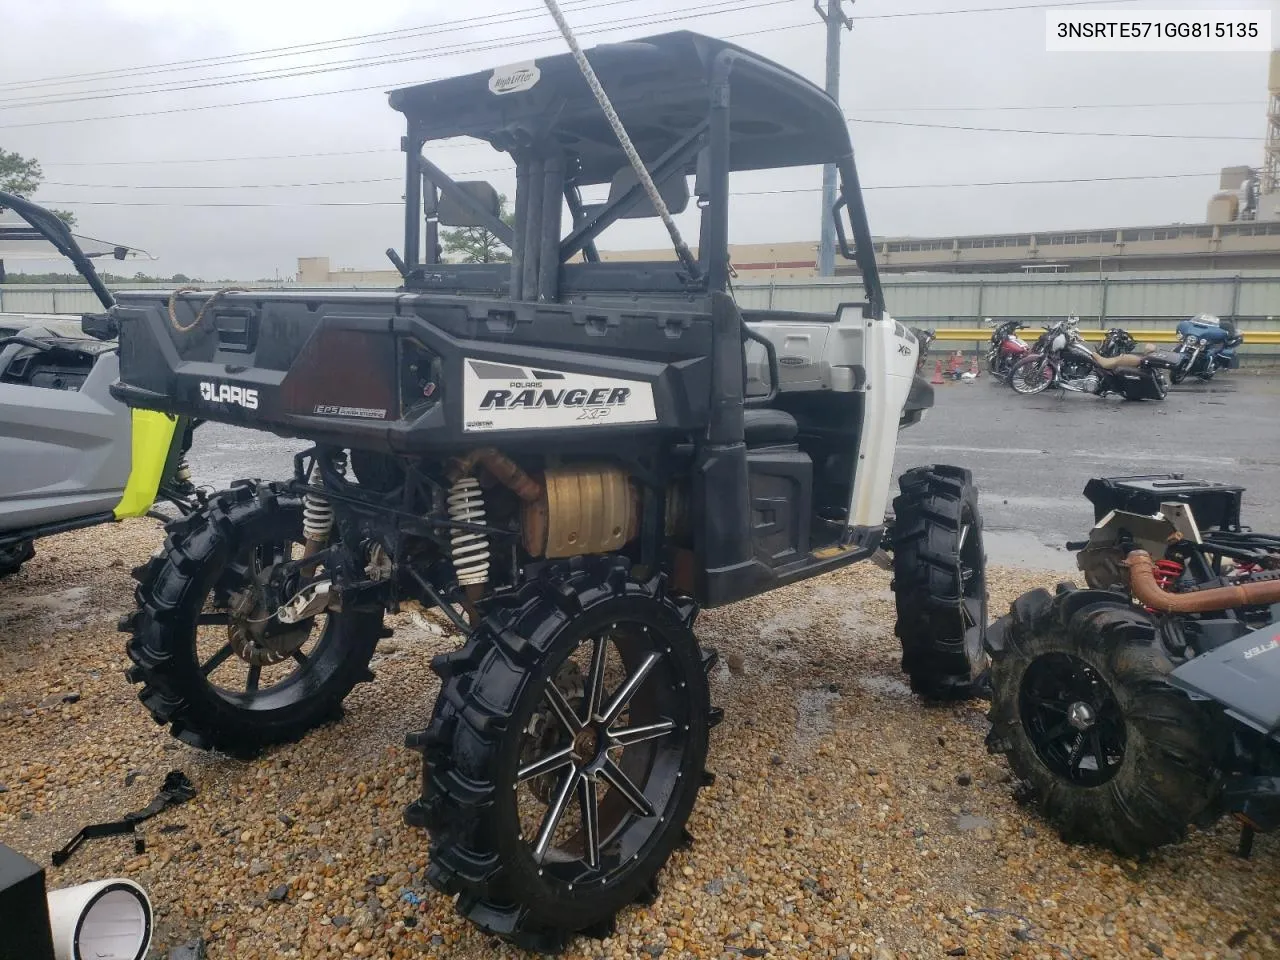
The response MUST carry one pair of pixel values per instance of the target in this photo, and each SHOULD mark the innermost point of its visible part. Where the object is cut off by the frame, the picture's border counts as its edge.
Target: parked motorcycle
(1006, 349)
(1206, 344)
(1062, 358)
(1117, 341)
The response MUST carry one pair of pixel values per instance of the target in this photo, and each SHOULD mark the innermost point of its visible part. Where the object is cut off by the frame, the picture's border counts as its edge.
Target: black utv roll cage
(692, 105)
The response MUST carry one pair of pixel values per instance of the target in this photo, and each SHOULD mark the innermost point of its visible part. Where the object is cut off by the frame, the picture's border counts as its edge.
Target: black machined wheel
(1082, 708)
(565, 754)
(939, 581)
(1072, 719)
(13, 557)
(216, 664)
(1031, 375)
(1178, 373)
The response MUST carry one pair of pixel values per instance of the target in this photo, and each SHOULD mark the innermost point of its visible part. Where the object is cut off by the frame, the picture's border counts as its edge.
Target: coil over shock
(470, 550)
(317, 511)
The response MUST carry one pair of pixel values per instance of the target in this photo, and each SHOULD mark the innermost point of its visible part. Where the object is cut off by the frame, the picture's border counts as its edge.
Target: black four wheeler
(564, 457)
(1151, 700)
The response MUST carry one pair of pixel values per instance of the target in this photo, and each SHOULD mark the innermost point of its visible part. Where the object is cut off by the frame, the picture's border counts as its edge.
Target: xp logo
(246, 397)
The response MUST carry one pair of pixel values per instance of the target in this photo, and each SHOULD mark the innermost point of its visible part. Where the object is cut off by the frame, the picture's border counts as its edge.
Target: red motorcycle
(1006, 349)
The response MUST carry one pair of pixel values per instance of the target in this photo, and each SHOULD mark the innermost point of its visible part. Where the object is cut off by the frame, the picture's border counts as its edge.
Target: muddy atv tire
(1082, 709)
(539, 826)
(939, 582)
(13, 557)
(202, 617)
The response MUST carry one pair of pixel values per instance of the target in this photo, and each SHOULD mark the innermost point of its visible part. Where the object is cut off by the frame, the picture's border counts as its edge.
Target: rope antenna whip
(628, 148)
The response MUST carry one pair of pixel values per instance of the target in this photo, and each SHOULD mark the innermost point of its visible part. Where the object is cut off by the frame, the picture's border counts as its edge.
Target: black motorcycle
(1061, 358)
(1117, 341)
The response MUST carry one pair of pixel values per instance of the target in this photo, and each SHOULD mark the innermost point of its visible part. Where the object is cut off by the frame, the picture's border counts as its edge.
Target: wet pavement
(1031, 456)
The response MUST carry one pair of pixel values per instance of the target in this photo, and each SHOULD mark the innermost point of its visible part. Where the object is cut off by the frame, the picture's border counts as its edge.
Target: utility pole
(834, 17)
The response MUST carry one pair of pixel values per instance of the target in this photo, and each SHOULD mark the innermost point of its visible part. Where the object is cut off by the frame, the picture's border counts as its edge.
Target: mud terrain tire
(1156, 777)
(939, 581)
(171, 593)
(473, 748)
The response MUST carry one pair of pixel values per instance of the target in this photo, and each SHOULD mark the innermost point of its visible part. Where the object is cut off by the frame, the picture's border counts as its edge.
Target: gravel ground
(847, 820)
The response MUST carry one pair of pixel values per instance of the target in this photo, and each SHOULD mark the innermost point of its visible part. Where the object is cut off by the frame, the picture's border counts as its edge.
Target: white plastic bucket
(103, 920)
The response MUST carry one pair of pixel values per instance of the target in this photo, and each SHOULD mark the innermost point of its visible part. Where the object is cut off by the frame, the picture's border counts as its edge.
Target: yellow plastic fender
(152, 440)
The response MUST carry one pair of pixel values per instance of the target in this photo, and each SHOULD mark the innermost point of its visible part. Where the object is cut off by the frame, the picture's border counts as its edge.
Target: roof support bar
(864, 248)
(412, 146)
(532, 227)
(549, 223)
(672, 162)
(451, 189)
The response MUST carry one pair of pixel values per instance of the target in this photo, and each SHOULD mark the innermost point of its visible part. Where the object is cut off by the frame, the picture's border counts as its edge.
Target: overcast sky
(892, 68)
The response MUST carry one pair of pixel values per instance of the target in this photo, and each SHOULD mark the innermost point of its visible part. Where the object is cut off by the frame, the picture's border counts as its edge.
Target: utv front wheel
(1082, 708)
(564, 755)
(939, 581)
(214, 662)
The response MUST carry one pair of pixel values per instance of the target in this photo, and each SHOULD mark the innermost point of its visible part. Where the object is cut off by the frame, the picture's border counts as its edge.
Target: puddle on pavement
(58, 610)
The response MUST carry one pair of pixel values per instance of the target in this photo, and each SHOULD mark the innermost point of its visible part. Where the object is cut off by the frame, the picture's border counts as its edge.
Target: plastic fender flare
(152, 438)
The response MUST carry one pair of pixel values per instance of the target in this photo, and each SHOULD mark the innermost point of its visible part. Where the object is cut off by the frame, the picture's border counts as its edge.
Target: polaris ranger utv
(72, 456)
(560, 454)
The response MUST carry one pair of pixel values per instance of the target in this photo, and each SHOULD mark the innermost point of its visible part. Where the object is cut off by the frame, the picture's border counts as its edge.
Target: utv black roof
(660, 87)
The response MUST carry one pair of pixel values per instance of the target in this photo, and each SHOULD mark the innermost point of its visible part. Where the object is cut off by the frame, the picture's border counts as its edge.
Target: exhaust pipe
(1146, 590)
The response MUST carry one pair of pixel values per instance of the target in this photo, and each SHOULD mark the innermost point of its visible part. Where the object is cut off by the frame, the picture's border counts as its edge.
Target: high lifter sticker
(499, 396)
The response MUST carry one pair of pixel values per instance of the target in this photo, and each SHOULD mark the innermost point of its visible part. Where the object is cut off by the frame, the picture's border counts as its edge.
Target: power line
(736, 193)
(297, 49)
(1052, 133)
(999, 9)
(588, 31)
(496, 45)
(362, 63)
(439, 146)
(405, 33)
(1066, 106)
(274, 156)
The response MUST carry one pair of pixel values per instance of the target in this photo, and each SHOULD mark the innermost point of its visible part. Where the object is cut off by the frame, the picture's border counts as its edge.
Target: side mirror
(451, 213)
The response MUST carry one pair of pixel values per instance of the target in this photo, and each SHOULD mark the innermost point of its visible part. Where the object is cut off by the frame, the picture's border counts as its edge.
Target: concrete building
(1238, 245)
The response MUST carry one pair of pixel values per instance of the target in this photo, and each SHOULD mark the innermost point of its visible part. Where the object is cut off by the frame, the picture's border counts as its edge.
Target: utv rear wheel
(564, 755)
(1082, 708)
(13, 557)
(939, 581)
(215, 663)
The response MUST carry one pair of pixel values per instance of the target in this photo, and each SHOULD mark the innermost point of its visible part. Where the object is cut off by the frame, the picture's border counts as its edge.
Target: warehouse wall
(1139, 301)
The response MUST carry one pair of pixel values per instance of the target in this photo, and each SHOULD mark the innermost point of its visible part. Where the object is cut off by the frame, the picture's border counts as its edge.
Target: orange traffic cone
(973, 365)
(937, 373)
(954, 363)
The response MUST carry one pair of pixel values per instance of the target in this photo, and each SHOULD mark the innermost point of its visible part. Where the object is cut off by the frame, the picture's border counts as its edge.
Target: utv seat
(765, 426)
